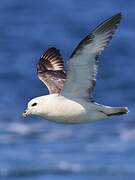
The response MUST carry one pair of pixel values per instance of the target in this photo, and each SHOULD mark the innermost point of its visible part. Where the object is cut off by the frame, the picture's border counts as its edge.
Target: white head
(36, 106)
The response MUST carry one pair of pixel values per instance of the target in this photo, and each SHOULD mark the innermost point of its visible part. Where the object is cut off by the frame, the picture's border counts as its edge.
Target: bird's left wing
(82, 69)
(50, 69)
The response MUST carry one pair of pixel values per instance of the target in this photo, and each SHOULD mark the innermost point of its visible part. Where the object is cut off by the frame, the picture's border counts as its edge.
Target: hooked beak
(25, 113)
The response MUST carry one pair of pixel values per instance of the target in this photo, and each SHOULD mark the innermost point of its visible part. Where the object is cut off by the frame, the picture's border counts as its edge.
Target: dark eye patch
(34, 104)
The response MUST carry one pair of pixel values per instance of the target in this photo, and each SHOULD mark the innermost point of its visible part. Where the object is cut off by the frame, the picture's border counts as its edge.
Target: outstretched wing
(50, 70)
(81, 77)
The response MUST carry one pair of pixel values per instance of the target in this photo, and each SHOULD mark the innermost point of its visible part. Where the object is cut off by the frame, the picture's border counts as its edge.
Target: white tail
(111, 111)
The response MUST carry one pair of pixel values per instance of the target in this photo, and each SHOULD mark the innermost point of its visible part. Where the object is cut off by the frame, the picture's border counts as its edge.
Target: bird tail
(112, 111)
(117, 111)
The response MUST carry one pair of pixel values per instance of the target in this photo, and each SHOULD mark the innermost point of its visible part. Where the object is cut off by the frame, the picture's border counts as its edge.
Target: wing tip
(51, 59)
(117, 16)
(50, 49)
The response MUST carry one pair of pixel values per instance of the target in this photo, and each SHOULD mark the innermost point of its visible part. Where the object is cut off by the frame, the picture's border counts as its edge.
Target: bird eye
(34, 104)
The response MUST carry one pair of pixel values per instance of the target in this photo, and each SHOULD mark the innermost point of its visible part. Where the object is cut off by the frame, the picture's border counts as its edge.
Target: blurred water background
(34, 149)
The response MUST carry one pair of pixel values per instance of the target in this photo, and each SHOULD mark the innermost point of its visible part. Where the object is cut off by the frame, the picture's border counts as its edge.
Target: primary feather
(83, 62)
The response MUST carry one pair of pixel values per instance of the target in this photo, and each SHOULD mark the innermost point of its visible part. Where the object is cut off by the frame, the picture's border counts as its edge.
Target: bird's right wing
(50, 69)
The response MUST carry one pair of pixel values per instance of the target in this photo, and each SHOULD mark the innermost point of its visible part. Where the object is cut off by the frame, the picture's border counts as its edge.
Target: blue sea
(35, 149)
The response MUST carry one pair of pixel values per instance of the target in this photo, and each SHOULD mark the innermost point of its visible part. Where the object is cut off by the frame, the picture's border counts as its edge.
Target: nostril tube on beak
(24, 114)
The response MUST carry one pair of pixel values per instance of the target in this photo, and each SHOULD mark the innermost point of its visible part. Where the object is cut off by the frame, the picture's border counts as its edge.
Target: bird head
(34, 107)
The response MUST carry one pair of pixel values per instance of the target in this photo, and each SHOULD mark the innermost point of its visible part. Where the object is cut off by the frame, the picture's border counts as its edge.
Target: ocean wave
(66, 168)
(128, 134)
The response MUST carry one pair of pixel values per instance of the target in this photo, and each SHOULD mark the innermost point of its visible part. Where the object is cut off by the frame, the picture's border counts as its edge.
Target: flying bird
(70, 98)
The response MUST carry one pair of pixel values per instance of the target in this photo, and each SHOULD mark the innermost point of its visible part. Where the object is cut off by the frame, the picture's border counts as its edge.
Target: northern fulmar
(71, 94)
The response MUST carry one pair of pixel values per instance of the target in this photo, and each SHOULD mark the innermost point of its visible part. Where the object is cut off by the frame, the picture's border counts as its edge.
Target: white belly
(63, 110)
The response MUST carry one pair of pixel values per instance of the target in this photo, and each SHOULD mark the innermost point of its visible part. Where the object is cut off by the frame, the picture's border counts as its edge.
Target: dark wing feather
(83, 61)
(50, 70)
(106, 29)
